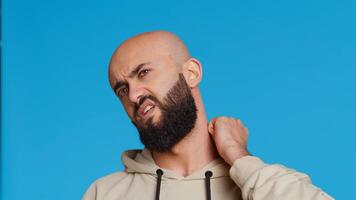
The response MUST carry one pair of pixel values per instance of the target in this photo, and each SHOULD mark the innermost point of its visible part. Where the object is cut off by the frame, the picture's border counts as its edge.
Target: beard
(178, 117)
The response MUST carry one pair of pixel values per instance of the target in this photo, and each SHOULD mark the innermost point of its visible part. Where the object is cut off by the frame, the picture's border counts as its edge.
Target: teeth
(147, 109)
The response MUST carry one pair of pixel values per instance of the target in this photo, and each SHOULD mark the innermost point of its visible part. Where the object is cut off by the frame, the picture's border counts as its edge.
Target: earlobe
(193, 72)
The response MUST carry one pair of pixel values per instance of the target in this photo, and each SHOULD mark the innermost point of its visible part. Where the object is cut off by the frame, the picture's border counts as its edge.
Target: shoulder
(112, 178)
(104, 185)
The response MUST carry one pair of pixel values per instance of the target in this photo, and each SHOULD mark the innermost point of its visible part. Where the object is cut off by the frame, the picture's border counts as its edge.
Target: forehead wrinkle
(119, 82)
(133, 72)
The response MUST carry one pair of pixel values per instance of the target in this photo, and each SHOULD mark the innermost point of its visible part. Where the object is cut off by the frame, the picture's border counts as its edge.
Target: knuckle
(224, 118)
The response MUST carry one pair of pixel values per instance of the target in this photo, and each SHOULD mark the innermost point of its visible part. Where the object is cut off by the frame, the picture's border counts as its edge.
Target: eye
(143, 73)
(123, 92)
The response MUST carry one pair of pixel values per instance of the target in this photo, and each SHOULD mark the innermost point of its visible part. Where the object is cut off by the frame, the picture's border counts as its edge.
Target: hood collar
(141, 161)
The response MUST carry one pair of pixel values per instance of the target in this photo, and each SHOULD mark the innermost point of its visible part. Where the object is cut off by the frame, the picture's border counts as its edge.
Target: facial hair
(178, 117)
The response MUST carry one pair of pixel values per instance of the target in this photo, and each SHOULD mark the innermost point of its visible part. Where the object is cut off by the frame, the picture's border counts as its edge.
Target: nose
(135, 93)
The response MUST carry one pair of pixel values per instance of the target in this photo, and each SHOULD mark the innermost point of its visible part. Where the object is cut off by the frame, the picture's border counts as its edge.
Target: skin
(166, 56)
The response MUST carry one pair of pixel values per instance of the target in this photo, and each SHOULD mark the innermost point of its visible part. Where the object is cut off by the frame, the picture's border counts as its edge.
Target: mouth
(146, 110)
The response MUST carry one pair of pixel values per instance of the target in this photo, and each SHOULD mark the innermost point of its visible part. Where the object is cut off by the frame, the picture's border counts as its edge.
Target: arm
(256, 179)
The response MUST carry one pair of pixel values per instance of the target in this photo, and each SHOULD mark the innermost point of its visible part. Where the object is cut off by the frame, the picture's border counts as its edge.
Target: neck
(195, 151)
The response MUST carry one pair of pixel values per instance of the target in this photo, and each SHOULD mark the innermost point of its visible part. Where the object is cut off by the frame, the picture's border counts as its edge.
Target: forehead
(126, 59)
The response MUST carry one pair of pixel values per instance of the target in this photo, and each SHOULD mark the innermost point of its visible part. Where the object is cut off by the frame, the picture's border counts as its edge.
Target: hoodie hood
(249, 177)
(141, 161)
(143, 179)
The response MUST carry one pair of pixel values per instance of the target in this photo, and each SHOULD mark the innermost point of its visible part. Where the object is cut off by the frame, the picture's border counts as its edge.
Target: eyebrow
(133, 73)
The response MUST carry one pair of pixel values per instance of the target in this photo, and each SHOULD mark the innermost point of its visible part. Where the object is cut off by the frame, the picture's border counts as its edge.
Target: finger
(245, 135)
(239, 122)
(246, 130)
(213, 121)
(211, 128)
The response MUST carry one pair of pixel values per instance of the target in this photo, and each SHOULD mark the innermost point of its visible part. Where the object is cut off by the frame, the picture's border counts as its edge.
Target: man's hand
(230, 138)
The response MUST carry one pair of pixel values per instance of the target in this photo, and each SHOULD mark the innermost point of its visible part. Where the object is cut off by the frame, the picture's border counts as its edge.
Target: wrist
(232, 156)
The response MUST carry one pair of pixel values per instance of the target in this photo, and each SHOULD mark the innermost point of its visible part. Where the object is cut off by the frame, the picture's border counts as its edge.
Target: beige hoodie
(249, 178)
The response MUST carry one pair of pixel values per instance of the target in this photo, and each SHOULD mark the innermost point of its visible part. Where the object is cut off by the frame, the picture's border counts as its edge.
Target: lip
(141, 111)
(148, 113)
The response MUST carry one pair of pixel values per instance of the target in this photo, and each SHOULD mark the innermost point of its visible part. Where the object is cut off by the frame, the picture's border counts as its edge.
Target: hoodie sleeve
(258, 181)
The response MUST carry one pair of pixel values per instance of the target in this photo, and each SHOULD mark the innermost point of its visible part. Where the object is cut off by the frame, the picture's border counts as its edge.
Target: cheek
(163, 86)
(129, 110)
(160, 93)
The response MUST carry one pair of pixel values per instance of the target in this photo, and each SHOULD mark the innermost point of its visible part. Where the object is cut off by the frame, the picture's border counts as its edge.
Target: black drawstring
(159, 173)
(208, 174)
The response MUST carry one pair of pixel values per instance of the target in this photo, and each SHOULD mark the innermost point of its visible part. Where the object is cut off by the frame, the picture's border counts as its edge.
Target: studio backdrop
(287, 69)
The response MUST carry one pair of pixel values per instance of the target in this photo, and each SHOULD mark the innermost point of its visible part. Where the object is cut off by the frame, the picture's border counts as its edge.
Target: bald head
(152, 59)
(158, 42)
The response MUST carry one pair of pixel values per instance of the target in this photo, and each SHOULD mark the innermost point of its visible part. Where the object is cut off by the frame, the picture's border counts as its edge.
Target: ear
(193, 72)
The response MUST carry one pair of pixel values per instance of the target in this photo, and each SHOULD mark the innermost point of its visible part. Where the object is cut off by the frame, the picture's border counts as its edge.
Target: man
(185, 156)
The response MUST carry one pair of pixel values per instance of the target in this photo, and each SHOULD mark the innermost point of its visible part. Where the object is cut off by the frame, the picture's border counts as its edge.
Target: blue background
(286, 68)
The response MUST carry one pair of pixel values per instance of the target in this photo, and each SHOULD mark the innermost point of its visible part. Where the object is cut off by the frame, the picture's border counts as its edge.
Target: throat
(190, 155)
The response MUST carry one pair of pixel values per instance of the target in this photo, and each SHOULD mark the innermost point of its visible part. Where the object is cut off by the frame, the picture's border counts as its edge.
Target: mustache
(143, 99)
